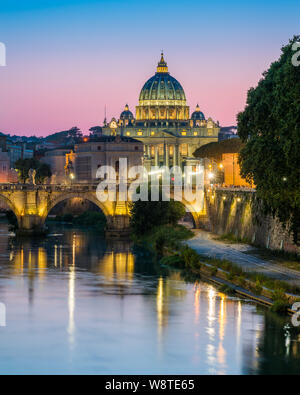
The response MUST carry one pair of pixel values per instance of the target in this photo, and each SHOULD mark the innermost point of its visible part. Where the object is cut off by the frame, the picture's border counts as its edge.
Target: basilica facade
(163, 123)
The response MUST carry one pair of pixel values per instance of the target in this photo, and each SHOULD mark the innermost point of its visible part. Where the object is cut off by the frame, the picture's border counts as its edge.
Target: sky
(66, 60)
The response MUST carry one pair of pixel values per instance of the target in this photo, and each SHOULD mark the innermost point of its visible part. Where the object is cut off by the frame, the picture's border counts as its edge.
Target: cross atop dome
(162, 65)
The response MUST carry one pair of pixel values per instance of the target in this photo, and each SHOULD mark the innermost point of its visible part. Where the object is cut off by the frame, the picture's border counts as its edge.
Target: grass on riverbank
(230, 238)
(287, 259)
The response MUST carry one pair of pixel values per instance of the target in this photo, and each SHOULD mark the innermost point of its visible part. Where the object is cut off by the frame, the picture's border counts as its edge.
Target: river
(77, 304)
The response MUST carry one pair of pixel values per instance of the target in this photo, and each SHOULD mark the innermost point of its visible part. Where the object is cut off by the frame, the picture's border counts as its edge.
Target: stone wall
(237, 212)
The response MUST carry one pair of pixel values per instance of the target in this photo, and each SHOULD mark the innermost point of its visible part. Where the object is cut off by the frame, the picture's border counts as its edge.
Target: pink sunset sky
(65, 63)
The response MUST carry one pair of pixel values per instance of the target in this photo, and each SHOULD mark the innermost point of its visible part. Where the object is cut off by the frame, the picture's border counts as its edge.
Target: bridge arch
(70, 195)
(12, 207)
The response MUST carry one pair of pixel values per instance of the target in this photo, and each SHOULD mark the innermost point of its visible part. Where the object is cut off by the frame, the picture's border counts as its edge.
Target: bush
(213, 271)
(281, 302)
(226, 289)
(258, 288)
(164, 239)
(172, 260)
(190, 258)
(280, 306)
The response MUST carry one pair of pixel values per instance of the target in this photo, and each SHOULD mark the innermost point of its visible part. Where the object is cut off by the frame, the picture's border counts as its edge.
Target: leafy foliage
(95, 130)
(23, 166)
(270, 127)
(145, 216)
(215, 150)
(63, 137)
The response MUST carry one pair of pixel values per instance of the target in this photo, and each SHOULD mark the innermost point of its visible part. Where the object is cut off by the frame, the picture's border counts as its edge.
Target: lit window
(127, 133)
(152, 133)
(195, 134)
(183, 133)
(139, 133)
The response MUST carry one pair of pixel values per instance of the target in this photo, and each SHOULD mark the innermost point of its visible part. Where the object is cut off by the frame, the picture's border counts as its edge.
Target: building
(15, 151)
(81, 163)
(163, 122)
(231, 168)
(103, 151)
(56, 159)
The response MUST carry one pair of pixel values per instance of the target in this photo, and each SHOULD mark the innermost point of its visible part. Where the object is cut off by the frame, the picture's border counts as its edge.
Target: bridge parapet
(32, 204)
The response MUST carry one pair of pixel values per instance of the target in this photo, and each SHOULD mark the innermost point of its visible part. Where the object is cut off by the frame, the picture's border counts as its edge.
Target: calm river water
(76, 304)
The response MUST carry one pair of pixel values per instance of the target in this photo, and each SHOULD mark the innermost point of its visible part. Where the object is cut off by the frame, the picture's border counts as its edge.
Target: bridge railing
(52, 187)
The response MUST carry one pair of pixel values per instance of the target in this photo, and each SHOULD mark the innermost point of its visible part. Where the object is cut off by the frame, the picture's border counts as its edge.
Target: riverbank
(266, 286)
(277, 295)
(267, 282)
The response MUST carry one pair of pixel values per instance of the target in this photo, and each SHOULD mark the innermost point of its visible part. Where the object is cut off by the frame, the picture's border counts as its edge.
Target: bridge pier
(117, 226)
(31, 224)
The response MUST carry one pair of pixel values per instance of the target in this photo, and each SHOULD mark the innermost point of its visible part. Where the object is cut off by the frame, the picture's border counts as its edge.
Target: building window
(183, 149)
(152, 133)
(99, 147)
(195, 134)
(183, 133)
(136, 148)
(127, 133)
(139, 133)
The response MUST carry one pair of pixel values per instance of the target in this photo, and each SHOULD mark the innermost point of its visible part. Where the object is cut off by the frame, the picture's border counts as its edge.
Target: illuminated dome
(126, 114)
(162, 97)
(162, 86)
(198, 115)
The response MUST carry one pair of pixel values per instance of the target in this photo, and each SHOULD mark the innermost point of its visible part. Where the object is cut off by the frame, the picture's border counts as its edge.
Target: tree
(270, 127)
(147, 215)
(64, 136)
(216, 149)
(96, 130)
(24, 165)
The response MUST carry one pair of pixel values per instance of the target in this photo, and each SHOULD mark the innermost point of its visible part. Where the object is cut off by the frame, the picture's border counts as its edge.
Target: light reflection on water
(76, 304)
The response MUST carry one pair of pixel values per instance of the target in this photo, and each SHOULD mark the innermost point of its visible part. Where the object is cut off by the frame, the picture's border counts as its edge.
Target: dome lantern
(162, 66)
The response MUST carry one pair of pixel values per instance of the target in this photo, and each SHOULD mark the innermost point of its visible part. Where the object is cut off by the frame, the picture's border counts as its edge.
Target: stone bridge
(31, 205)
